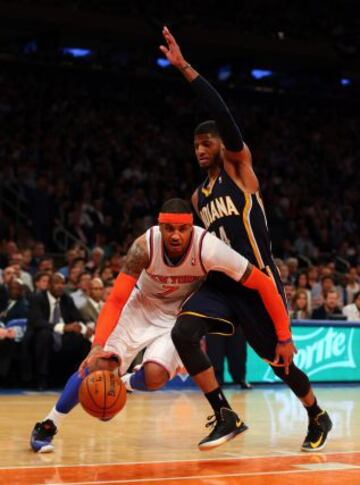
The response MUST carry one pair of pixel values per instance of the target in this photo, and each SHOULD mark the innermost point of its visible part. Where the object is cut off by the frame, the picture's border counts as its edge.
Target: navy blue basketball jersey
(238, 218)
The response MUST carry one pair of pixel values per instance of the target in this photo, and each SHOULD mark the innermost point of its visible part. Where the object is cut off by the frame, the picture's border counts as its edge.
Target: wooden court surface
(153, 440)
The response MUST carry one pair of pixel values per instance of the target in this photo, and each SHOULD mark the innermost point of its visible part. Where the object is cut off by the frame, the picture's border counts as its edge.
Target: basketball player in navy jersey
(230, 205)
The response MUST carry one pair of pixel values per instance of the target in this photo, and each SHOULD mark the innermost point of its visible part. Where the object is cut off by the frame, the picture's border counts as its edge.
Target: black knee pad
(186, 335)
(296, 379)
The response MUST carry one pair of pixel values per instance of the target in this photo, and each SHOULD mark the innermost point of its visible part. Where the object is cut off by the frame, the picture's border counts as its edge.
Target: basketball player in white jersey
(163, 267)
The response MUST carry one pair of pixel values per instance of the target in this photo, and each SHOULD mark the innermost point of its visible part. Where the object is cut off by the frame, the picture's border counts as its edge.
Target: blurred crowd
(96, 156)
(48, 311)
(48, 308)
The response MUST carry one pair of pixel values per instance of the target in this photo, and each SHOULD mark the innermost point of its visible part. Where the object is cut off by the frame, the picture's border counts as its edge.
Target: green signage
(325, 353)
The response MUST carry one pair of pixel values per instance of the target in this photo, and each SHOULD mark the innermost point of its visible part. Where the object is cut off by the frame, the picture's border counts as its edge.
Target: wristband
(287, 341)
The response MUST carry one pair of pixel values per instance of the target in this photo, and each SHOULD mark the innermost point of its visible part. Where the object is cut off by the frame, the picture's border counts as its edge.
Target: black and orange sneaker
(226, 426)
(42, 436)
(318, 429)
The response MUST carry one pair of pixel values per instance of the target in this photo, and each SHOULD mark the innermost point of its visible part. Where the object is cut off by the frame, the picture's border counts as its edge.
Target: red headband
(169, 218)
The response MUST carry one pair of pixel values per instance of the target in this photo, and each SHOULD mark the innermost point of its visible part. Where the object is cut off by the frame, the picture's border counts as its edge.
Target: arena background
(96, 128)
(96, 132)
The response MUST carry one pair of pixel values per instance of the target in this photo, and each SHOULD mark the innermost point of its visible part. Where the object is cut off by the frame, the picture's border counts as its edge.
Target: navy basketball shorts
(228, 304)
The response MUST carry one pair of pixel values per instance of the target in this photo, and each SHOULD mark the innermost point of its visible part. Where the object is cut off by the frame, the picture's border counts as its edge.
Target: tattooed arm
(136, 260)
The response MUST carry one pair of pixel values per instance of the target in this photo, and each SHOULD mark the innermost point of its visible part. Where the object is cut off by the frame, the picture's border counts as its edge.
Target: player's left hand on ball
(90, 362)
(284, 353)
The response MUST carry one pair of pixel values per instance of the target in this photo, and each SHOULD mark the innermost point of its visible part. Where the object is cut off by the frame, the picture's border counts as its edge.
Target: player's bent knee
(188, 329)
(178, 337)
(156, 376)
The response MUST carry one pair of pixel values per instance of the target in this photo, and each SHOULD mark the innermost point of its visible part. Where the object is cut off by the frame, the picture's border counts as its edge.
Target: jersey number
(167, 290)
(222, 235)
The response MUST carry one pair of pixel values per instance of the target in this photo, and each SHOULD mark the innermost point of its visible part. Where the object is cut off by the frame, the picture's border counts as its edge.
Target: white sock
(55, 417)
(126, 380)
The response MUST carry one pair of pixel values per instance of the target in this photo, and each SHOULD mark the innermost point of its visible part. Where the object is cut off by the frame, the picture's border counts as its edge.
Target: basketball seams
(100, 409)
(90, 393)
(120, 394)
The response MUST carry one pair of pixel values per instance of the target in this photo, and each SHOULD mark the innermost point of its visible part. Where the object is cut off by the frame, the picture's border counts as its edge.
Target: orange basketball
(102, 394)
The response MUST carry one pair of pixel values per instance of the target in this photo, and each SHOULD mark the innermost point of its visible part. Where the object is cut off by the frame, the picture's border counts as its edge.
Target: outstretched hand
(172, 50)
(284, 354)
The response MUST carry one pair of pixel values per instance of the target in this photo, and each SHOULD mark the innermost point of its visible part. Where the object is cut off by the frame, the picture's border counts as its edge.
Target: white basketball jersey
(164, 287)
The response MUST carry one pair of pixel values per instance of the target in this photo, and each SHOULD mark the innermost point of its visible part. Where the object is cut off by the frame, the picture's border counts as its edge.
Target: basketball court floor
(153, 440)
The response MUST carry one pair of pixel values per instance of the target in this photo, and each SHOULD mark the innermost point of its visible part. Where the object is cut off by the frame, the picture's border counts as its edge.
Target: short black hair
(176, 206)
(208, 126)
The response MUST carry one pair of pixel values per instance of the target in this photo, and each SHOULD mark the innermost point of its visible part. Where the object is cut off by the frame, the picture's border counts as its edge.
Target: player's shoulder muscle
(239, 167)
(137, 257)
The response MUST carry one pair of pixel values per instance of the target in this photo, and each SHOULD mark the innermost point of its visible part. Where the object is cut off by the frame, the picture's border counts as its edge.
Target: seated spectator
(312, 276)
(46, 264)
(81, 295)
(300, 309)
(284, 273)
(55, 324)
(26, 261)
(289, 291)
(38, 254)
(73, 278)
(16, 262)
(106, 273)
(90, 311)
(352, 285)
(302, 283)
(352, 311)
(17, 305)
(319, 291)
(293, 266)
(16, 310)
(95, 262)
(7, 275)
(41, 281)
(329, 310)
(71, 255)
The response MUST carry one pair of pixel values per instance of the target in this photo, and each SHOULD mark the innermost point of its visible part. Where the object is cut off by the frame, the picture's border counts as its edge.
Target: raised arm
(135, 261)
(236, 152)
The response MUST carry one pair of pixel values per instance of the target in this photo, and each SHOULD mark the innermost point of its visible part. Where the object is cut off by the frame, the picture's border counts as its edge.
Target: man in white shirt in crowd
(352, 311)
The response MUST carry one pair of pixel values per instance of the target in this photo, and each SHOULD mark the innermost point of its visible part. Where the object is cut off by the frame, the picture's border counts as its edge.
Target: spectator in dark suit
(6, 276)
(55, 324)
(16, 305)
(16, 308)
(329, 309)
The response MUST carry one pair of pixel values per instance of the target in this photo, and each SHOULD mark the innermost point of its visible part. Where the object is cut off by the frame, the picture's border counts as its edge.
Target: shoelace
(212, 420)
